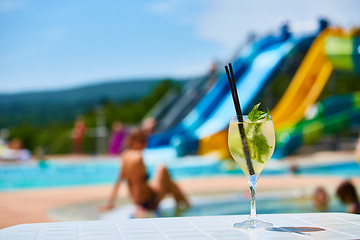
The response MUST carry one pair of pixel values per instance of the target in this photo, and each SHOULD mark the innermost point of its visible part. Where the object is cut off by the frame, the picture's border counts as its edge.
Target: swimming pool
(345, 169)
(234, 204)
(58, 173)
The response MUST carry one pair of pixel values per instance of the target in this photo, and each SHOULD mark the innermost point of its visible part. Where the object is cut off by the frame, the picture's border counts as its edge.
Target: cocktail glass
(251, 145)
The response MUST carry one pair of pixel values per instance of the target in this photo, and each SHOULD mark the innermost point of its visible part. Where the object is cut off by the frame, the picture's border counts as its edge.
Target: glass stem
(252, 183)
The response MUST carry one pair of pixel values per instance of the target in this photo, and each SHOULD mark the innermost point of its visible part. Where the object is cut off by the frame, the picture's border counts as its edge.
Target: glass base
(253, 223)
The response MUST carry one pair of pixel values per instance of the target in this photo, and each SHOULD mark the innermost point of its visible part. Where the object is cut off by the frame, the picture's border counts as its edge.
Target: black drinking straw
(239, 117)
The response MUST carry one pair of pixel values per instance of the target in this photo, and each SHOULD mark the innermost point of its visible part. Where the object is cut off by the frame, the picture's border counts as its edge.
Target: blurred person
(357, 150)
(40, 157)
(148, 126)
(144, 194)
(211, 74)
(116, 142)
(15, 144)
(294, 169)
(78, 135)
(347, 194)
(16, 152)
(320, 200)
(4, 134)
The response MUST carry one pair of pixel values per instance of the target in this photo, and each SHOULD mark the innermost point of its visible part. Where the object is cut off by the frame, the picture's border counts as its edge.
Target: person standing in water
(145, 195)
(320, 200)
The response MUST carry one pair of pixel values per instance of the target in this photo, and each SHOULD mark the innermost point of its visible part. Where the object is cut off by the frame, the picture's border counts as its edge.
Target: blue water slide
(250, 87)
(206, 106)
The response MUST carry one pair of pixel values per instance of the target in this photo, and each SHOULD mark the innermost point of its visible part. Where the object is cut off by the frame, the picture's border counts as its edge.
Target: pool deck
(31, 206)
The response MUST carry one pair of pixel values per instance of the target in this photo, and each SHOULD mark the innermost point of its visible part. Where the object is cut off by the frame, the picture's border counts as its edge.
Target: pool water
(57, 174)
(233, 204)
(60, 174)
(240, 205)
(346, 169)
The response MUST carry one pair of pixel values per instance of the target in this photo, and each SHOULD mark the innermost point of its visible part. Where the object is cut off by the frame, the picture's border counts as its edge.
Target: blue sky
(59, 44)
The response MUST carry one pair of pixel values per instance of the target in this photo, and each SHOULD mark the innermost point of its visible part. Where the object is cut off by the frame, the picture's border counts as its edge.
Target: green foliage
(55, 135)
(52, 107)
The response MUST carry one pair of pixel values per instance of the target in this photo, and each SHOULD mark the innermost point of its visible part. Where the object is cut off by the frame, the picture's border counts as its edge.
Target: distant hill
(114, 91)
(55, 106)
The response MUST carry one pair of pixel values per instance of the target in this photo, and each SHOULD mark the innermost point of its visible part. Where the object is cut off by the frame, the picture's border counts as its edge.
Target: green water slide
(344, 53)
(331, 115)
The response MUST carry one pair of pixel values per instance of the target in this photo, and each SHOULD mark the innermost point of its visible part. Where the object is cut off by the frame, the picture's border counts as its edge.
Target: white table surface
(335, 225)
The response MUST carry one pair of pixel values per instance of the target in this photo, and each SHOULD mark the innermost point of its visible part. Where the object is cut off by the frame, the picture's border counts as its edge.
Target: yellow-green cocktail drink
(260, 137)
(251, 141)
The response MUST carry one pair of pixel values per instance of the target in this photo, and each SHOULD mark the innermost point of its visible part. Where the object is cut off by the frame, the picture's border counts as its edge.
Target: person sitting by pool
(320, 200)
(145, 195)
(15, 151)
(347, 194)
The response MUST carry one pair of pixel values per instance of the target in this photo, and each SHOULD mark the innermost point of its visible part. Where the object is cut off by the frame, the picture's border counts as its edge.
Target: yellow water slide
(303, 91)
(307, 84)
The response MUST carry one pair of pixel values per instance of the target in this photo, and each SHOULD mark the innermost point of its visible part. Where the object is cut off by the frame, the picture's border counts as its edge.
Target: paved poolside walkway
(32, 205)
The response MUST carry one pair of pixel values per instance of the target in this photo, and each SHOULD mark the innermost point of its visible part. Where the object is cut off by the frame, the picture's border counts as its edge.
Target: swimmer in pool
(144, 194)
(347, 194)
(320, 200)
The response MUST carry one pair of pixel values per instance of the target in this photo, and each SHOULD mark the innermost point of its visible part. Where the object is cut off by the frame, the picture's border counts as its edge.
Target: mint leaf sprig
(256, 114)
(258, 143)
